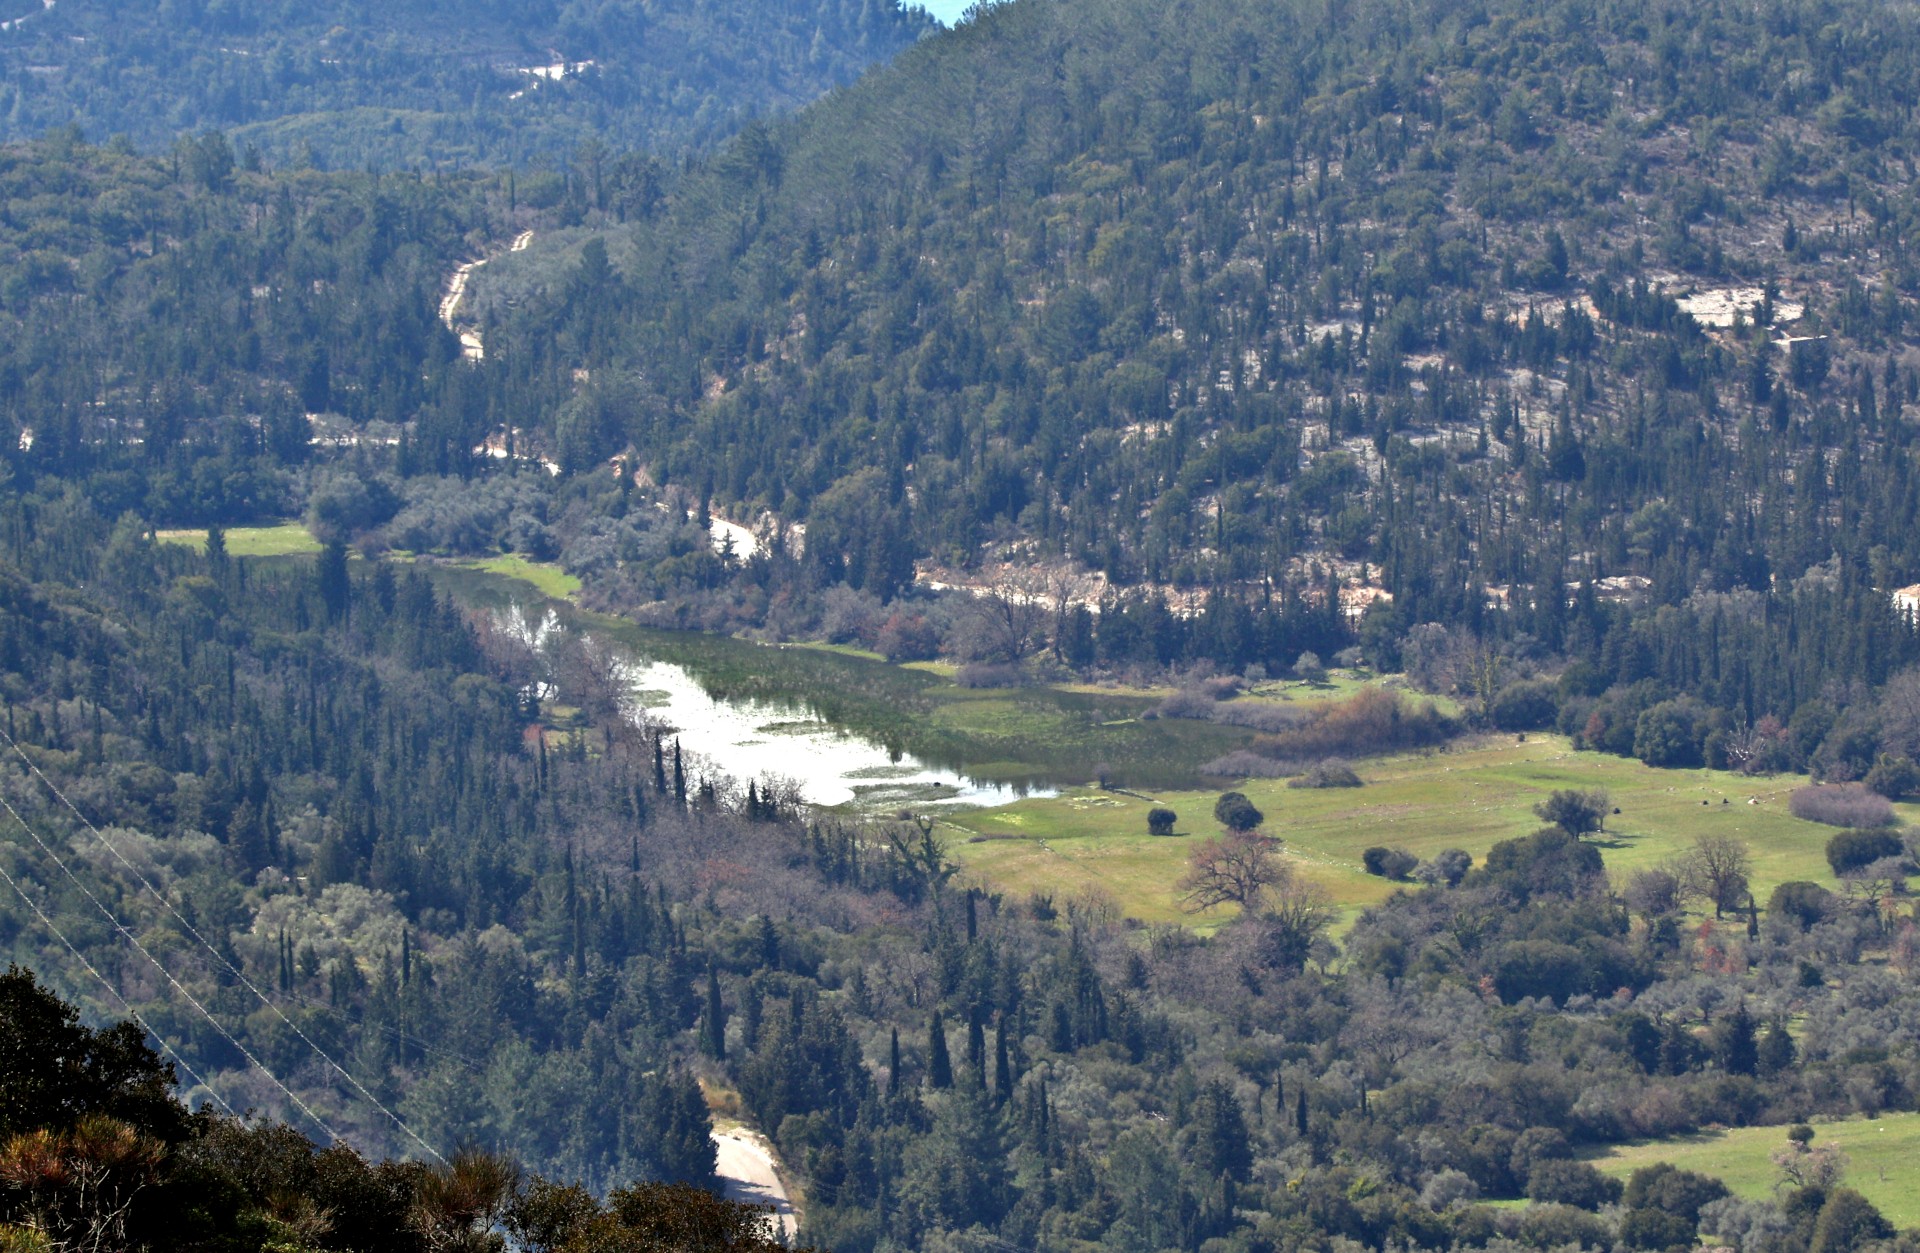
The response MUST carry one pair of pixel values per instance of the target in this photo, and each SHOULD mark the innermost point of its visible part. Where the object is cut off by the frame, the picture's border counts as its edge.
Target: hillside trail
(747, 1168)
(470, 343)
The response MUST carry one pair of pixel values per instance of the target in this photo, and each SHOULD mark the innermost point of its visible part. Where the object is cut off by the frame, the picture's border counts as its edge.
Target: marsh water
(853, 732)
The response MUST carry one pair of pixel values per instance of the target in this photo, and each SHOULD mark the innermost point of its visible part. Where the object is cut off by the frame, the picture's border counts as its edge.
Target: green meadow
(1470, 797)
(545, 577)
(1883, 1159)
(284, 539)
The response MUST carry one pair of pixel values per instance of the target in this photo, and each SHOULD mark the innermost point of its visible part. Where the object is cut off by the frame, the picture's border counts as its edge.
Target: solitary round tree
(1236, 813)
(1575, 812)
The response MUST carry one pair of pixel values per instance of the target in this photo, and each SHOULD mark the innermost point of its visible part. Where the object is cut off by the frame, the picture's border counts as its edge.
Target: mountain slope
(1189, 292)
(441, 81)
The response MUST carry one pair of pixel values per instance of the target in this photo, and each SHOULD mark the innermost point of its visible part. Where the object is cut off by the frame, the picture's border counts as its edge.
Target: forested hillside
(1537, 321)
(97, 1152)
(414, 864)
(436, 82)
(1195, 336)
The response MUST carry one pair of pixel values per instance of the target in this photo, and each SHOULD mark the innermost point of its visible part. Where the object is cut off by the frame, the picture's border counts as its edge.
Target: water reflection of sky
(755, 740)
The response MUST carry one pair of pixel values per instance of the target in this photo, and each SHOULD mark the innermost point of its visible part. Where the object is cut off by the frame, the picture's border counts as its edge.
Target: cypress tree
(1002, 1067)
(939, 1065)
(977, 1048)
(769, 944)
(893, 1065)
(1300, 1114)
(713, 1035)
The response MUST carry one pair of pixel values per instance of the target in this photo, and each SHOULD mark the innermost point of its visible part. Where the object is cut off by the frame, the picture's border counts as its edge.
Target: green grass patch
(1469, 798)
(543, 576)
(1883, 1159)
(284, 539)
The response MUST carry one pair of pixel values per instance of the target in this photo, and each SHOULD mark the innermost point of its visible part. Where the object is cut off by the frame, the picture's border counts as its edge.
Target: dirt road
(746, 1166)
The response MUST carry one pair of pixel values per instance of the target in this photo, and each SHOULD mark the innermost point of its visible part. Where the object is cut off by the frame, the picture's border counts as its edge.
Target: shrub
(1328, 774)
(1850, 851)
(1448, 1188)
(1805, 903)
(1655, 1229)
(1526, 706)
(1848, 1221)
(1262, 716)
(1681, 1193)
(1669, 734)
(1562, 1227)
(1160, 821)
(1446, 868)
(908, 637)
(1893, 777)
(1541, 968)
(1389, 863)
(1244, 764)
(989, 674)
(1235, 812)
(1373, 721)
(1189, 703)
(1572, 1183)
(1547, 863)
(1842, 805)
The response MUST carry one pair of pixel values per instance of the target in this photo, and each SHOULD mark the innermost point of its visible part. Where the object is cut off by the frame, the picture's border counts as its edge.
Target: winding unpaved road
(747, 1169)
(470, 343)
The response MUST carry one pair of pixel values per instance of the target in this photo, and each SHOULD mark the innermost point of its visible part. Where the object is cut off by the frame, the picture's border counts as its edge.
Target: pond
(855, 732)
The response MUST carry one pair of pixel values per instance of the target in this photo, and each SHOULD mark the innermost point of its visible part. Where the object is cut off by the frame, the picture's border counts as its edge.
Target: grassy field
(545, 577)
(1883, 1153)
(1469, 798)
(292, 539)
(285, 539)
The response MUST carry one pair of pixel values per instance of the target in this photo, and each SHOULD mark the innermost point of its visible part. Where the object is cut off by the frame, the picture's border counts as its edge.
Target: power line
(221, 957)
(112, 991)
(192, 1000)
(320, 1006)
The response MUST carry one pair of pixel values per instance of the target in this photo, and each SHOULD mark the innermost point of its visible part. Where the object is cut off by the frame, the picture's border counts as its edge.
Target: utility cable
(237, 973)
(112, 991)
(189, 997)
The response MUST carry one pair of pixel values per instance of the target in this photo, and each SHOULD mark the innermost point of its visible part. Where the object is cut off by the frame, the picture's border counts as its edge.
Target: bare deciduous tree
(1718, 869)
(1012, 608)
(1066, 587)
(1235, 869)
(1900, 714)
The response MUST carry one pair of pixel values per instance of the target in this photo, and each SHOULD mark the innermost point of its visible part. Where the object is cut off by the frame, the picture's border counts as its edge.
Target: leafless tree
(1807, 1166)
(1011, 609)
(1234, 869)
(1718, 868)
(1652, 893)
(1066, 587)
(1900, 714)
